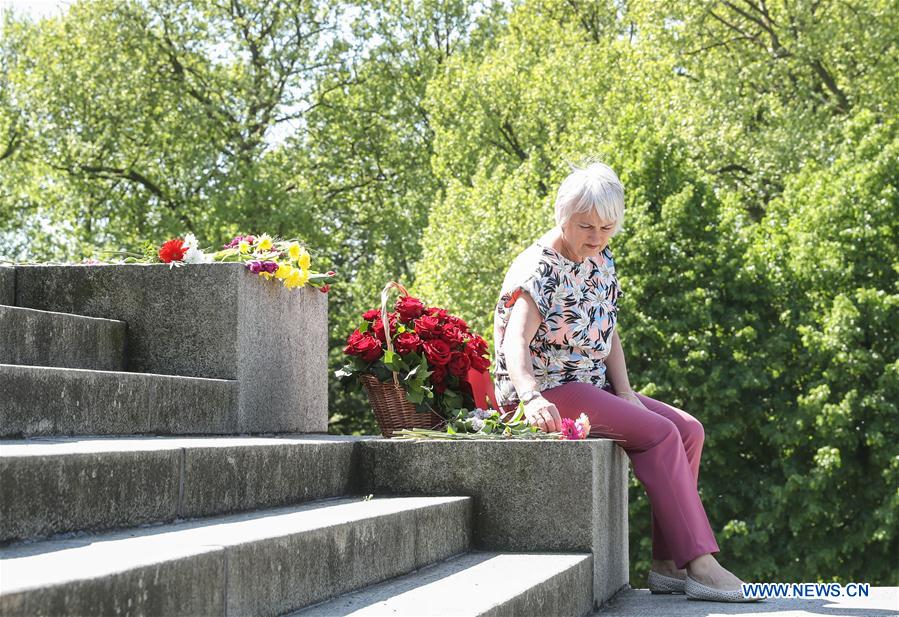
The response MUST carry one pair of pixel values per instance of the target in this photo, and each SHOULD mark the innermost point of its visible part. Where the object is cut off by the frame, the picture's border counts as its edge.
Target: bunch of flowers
(488, 424)
(433, 353)
(285, 260)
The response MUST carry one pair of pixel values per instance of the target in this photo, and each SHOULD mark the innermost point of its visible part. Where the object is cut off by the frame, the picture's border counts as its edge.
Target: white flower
(477, 424)
(193, 255)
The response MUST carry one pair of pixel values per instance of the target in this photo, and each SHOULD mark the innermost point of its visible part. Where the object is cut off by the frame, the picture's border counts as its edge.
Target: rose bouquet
(429, 351)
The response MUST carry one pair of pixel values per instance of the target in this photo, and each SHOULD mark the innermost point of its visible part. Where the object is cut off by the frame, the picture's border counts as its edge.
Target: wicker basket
(392, 408)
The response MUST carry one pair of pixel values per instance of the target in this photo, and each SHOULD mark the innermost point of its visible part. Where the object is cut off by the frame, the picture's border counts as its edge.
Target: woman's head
(595, 191)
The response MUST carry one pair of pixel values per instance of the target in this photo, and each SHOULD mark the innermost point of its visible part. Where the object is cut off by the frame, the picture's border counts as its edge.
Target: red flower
(372, 314)
(438, 374)
(173, 250)
(478, 362)
(377, 326)
(459, 364)
(438, 313)
(407, 342)
(325, 288)
(458, 322)
(452, 334)
(409, 308)
(438, 352)
(427, 327)
(365, 346)
(478, 345)
(369, 348)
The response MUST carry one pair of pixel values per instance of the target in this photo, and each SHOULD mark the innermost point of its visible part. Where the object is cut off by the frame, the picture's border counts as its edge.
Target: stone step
(261, 563)
(37, 400)
(475, 584)
(47, 338)
(55, 485)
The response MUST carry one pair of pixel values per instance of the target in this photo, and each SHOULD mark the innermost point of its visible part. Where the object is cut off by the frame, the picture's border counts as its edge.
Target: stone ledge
(58, 485)
(556, 496)
(46, 338)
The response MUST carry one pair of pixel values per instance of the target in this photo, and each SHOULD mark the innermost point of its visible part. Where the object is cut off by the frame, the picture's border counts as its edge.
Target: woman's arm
(524, 321)
(616, 371)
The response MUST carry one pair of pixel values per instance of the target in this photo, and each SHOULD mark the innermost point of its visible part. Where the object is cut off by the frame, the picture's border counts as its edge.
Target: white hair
(595, 186)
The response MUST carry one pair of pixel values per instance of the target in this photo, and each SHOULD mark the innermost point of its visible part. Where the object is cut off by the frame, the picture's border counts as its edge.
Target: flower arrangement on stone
(434, 352)
(284, 260)
(488, 424)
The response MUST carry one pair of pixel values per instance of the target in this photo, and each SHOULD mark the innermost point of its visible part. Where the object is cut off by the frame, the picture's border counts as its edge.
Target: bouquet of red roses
(430, 351)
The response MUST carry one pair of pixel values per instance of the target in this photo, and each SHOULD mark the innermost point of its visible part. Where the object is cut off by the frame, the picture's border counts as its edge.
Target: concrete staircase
(164, 452)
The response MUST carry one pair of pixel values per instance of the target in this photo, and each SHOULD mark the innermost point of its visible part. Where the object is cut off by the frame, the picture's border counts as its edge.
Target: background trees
(423, 140)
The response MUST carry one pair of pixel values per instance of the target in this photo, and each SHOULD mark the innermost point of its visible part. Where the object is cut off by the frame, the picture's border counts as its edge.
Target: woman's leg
(654, 445)
(692, 436)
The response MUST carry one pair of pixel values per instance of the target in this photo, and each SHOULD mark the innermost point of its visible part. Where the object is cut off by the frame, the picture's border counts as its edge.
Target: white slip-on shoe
(659, 583)
(697, 591)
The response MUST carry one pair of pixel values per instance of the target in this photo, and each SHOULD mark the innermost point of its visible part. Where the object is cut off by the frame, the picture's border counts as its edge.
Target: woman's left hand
(631, 397)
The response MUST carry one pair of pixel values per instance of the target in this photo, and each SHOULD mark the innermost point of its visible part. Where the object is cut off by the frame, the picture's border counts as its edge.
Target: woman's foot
(666, 567)
(709, 572)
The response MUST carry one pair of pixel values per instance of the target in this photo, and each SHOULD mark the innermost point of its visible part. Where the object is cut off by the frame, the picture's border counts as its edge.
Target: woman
(558, 351)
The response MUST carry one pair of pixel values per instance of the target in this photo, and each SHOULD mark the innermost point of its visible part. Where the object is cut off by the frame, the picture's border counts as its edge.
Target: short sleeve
(534, 286)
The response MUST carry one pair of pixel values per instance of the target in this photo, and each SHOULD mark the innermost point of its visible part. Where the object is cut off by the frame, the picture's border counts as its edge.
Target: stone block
(45, 493)
(7, 285)
(558, 496)
(207, 320)
(37, 400)
(237, 474)
(46, 338)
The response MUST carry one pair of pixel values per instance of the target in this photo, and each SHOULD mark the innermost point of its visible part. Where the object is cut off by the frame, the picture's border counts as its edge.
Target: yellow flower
(297, 278)
(304, 261)
(283, 271)
(265, 242)
(294, 251)
(244, 246)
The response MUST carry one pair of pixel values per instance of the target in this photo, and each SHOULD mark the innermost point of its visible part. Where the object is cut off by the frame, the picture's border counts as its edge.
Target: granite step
(38, 400)
(47, 338)
(268, 562)
(52, 485)
(476, 584)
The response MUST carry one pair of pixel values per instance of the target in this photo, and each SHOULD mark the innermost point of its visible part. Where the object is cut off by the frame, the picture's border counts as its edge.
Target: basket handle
(386, 322)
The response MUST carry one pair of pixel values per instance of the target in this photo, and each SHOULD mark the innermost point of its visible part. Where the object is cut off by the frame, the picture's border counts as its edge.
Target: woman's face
(586, 234)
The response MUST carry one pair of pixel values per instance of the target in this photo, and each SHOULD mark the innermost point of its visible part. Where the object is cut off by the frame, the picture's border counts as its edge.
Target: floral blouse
(579, 306)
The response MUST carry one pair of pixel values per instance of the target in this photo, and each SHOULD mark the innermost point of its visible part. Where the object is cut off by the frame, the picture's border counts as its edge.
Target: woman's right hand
(543, 414)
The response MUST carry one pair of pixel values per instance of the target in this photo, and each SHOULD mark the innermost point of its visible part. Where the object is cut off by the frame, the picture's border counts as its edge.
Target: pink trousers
(664, 445)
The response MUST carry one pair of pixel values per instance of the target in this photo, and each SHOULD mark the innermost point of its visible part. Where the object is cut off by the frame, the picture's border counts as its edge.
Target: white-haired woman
(558, 351)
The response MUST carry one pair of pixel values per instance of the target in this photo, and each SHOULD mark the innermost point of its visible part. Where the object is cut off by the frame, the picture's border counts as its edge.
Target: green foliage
(422, 141)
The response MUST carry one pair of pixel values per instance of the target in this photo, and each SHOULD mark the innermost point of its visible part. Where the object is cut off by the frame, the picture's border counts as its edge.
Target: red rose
(407, 342)
(409, 308)
(378, 326)
(438, 313)
(173, 250)
(371, 315)
(325, 288)
(369, 348)
(453, 334)
(459, 364)
(458, 322)
(438, 352)
(478, 344)
(427, 327)
(351, 341)
(478, 362)
(438, 374)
